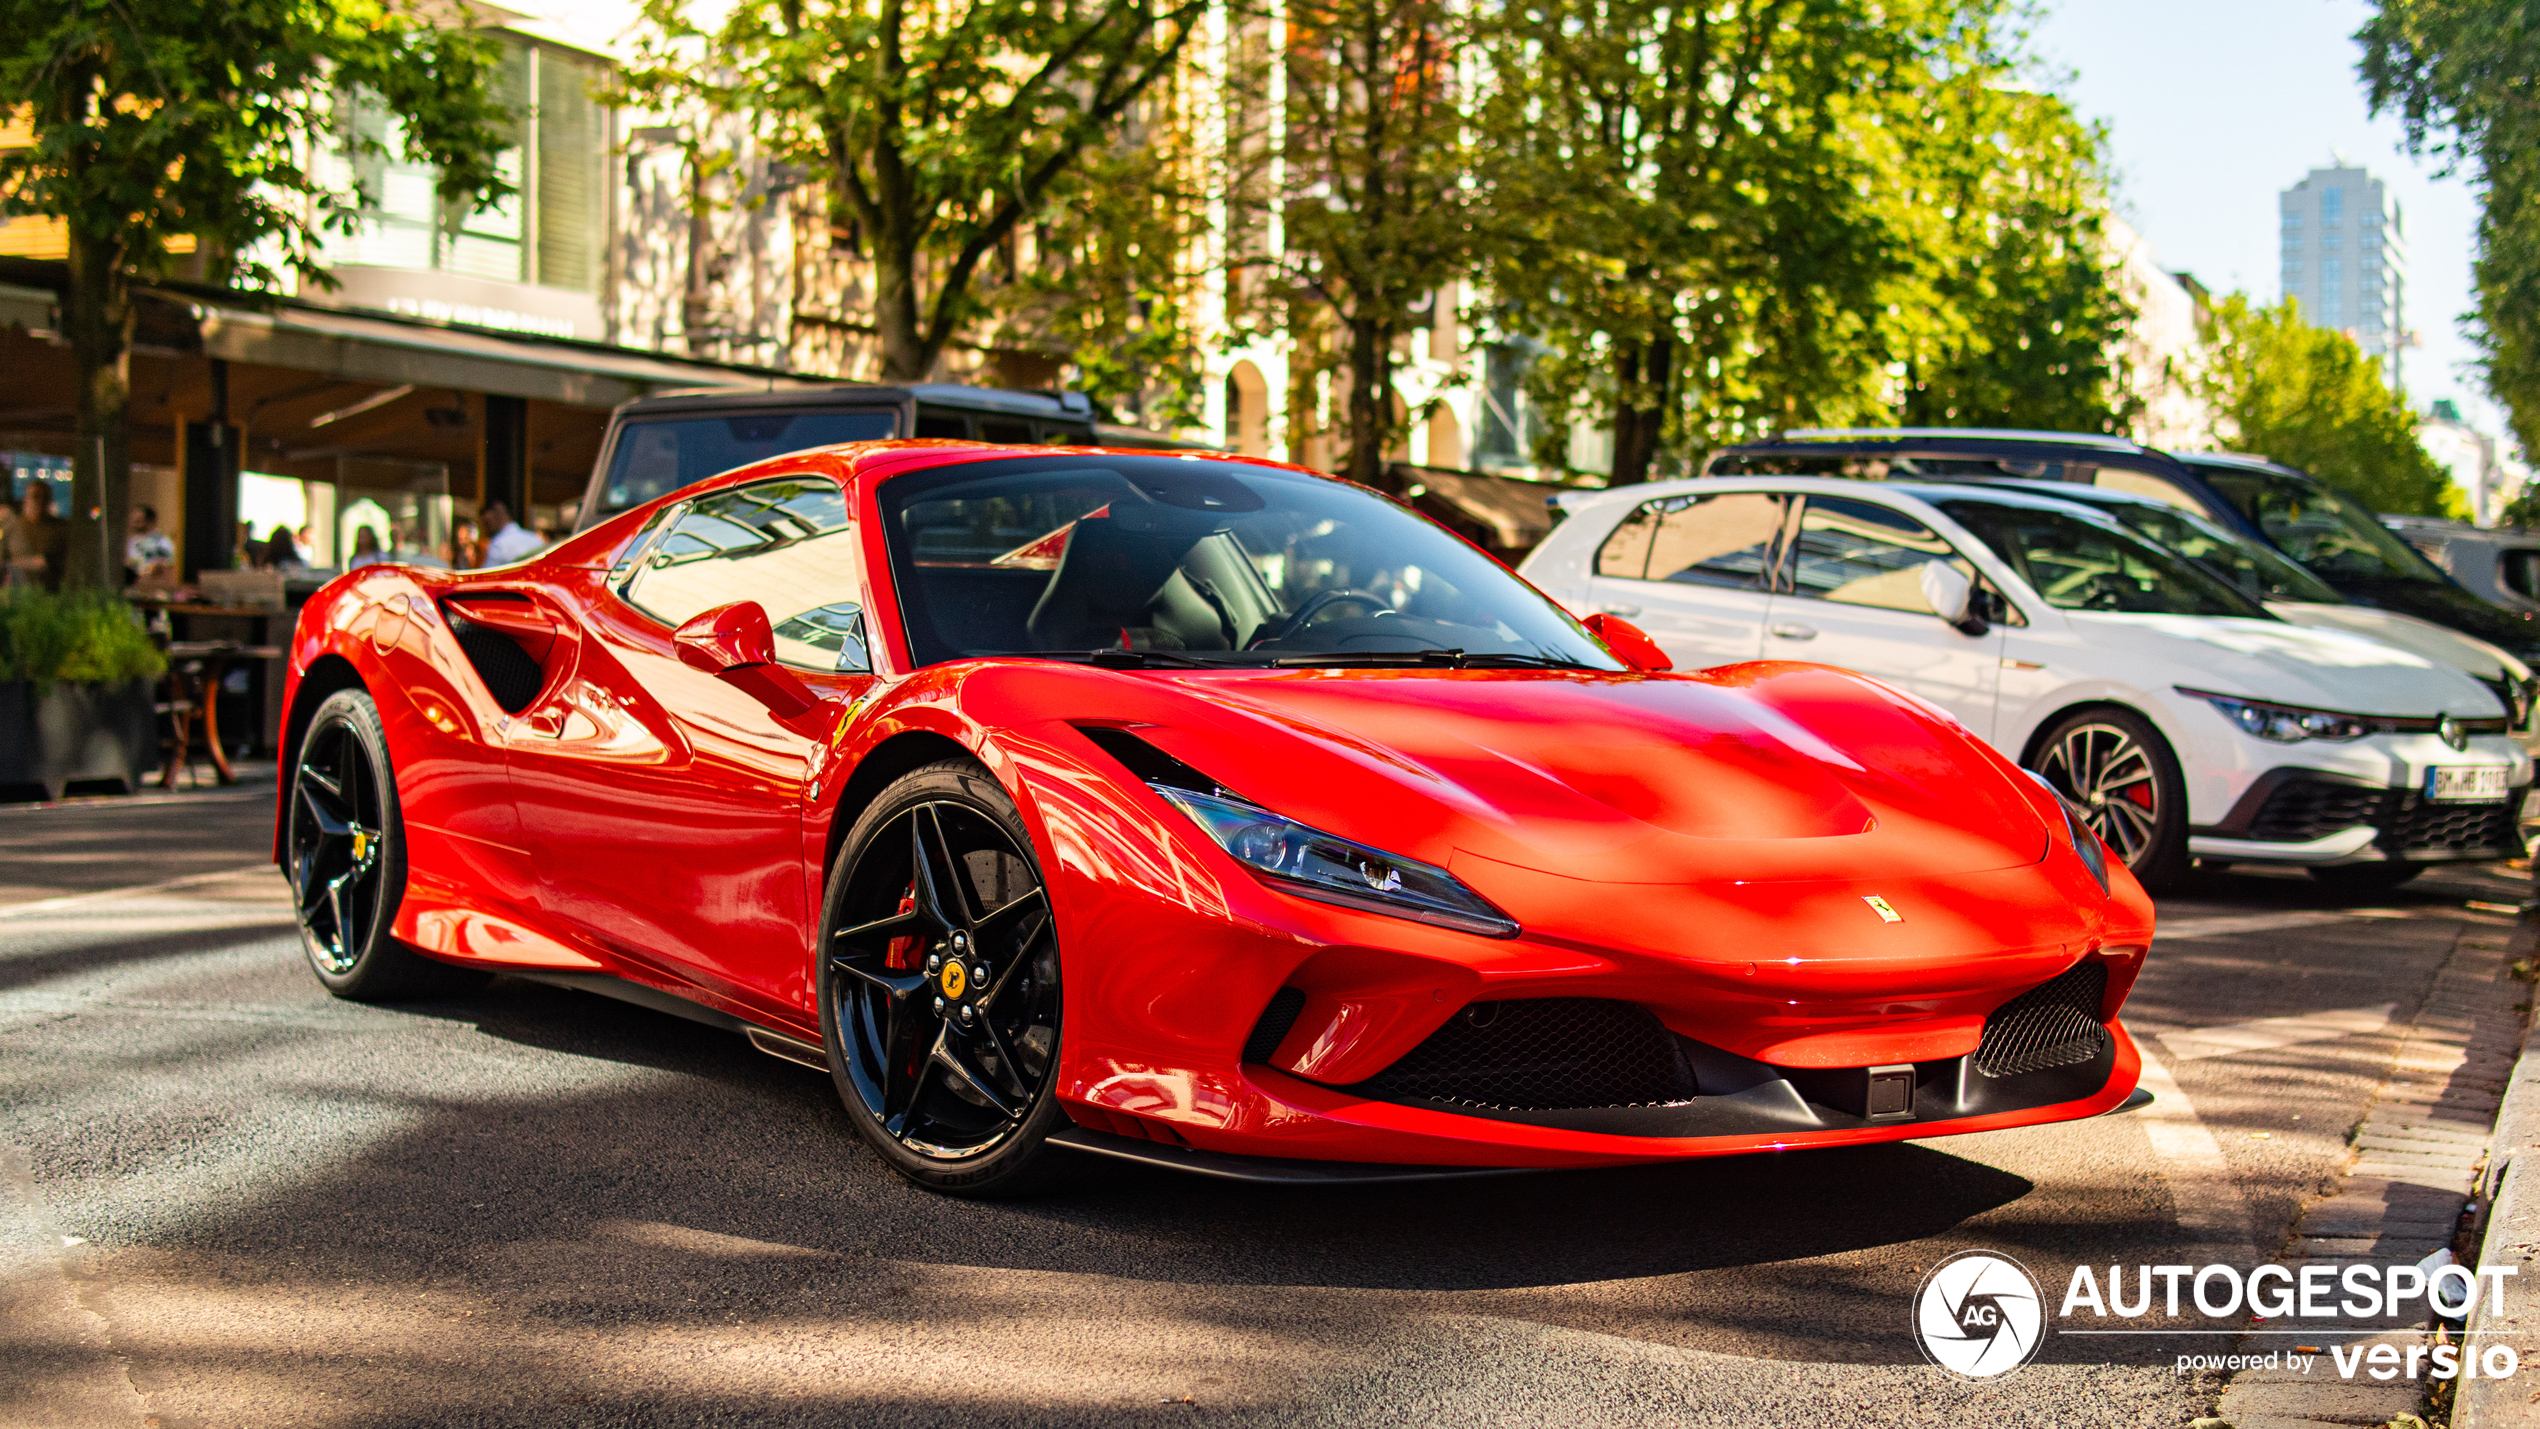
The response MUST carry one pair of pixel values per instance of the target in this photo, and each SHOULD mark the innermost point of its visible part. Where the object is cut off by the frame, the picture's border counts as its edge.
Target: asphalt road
(227, 1199)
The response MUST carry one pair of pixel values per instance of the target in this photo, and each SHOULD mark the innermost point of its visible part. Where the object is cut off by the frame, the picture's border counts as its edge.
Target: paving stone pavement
(2417, 1160)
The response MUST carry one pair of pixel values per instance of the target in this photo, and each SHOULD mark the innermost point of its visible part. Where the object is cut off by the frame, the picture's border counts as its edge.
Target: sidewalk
(92, 844)
(2510, 1237)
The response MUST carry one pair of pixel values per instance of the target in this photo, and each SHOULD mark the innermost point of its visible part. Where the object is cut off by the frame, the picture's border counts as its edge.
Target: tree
(1371, 198)
(202, 124)
(2024, 315)
(2460, 74)
(2308, 397)
(1689, 209)
(940, 129)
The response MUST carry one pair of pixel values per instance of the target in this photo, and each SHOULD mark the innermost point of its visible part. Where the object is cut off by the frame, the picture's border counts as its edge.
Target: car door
(1694, 572)
(663, 806)
(1852, 595)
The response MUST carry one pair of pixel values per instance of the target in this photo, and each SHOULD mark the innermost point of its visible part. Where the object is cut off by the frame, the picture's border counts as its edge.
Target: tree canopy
(2309, 397)
(202, 125)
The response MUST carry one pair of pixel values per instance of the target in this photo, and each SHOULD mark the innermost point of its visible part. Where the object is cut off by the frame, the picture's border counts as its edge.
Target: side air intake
(510, 674)
(1542, 1054)
(2055, 1024)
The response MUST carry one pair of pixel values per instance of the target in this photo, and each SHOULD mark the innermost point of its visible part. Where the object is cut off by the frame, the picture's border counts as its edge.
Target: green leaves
(940, 129)
(2308, 397)
(2460, 74)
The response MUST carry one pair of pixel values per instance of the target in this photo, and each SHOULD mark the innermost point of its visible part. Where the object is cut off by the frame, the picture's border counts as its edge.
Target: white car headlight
(2285, 724)
(1329, 869)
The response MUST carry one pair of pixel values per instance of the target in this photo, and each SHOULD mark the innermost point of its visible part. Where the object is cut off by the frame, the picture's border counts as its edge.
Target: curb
(2510, 1235)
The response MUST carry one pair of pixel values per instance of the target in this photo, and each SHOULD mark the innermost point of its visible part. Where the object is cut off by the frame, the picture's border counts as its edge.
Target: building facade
(2344, 260)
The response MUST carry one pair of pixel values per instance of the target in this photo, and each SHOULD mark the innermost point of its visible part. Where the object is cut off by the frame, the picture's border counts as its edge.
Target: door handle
(1625, 611)
(1795, 632)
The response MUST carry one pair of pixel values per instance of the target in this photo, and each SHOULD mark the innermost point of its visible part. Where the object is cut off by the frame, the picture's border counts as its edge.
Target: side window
(1860, 553)
(2147, 486)
(2521, 570)
(1725, 540)
(785, 544)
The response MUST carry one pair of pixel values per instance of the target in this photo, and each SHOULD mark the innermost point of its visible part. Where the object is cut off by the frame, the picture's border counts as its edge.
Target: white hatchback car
(2188, 722)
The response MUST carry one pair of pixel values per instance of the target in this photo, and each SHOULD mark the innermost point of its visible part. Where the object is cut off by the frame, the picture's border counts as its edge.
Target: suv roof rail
(1990, 434)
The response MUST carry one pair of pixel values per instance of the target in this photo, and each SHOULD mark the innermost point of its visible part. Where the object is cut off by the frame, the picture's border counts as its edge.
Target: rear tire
(2367, 877)
(940, 990)
(344, 847)
(2119, 769)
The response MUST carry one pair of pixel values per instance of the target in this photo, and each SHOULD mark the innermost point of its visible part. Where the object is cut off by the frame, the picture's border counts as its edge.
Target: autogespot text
(2323, 1294)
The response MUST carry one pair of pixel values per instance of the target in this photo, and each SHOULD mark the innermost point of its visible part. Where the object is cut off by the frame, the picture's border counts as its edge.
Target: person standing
(507, 541)
(37, 544)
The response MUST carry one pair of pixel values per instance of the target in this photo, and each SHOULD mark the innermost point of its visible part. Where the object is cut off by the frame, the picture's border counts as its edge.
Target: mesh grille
(2055, 1024)
(1275, 1021)
(2412, 824)
(1543, 1054)
(510, 675)
(2300, 810)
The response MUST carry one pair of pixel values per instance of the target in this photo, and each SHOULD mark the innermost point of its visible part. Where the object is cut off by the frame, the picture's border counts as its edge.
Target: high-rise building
(2345, 259)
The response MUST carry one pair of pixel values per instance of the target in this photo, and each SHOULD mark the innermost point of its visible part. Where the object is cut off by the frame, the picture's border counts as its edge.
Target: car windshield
(1181, 561)
(2078, 563)
(2260, 573)
(655, 456)
(2334, 536)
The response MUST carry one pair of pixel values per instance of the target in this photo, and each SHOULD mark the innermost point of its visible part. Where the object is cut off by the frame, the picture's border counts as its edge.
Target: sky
(2215, 106)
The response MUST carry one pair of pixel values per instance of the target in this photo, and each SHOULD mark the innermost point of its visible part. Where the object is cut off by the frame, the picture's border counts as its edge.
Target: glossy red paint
(1704, 844)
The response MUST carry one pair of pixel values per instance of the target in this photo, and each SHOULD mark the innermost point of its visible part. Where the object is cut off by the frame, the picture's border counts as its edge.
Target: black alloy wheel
(940, 986)
(2118, 769)
(345, 849)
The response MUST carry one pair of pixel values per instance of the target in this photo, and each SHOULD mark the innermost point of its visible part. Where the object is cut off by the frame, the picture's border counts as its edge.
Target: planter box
(76, 733)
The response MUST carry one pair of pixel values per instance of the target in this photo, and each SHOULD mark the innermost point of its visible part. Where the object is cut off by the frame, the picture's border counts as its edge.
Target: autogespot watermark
(1980, 1315)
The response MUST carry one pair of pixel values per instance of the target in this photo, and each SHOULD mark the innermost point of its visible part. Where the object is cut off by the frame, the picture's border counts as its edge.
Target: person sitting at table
(282, 550)
(150, 556)
(37, 544)
(366, 550)
(509, 541)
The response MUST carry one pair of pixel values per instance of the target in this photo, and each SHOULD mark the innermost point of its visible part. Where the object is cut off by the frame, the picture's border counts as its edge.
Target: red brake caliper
(2140, 795)
(903, 953)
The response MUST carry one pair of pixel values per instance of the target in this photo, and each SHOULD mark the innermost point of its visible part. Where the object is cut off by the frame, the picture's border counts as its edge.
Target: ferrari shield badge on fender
(1879, 906)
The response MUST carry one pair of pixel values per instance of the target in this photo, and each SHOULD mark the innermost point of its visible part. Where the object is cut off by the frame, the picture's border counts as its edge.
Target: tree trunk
(1371, 404)
(905, 357)
(1641, 373)
(97, 310)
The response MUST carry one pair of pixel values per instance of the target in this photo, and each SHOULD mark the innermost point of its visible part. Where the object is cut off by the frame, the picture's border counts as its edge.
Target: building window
(2332, 205)
(549, 232)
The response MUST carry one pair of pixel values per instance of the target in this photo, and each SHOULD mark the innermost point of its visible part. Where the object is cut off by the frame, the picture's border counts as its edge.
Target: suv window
(785, 544)
(2149, 487)
(2520, 568)
(1724, 540)
(2320, 528)
(1862, 553)
(655, 456)
(2078, 563)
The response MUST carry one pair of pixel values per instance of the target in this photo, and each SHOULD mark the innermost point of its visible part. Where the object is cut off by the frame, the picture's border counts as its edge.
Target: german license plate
(2466, 785)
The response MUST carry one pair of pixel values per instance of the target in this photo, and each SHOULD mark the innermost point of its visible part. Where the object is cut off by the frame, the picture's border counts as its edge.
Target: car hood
(1753, 772)
(2449, 605)
(2417, 636)
(2283, 662)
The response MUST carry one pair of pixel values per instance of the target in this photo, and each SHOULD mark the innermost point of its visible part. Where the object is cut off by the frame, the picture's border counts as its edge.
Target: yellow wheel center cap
(955, 979)
(361, 843)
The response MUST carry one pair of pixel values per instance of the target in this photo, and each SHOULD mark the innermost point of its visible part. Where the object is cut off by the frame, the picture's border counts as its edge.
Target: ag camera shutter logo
(1979, 1316)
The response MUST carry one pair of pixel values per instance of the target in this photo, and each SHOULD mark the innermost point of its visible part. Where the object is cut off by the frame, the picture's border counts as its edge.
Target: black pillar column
(210, 466)
(507, 454)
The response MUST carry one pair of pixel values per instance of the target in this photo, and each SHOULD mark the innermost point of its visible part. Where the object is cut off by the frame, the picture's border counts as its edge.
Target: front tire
(2119, 769)
(939, 986)
(344, 844)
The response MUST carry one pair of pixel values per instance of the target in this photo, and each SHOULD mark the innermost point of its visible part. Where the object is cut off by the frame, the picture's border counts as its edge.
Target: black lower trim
(625, 990)
(2295, 806)
(1262, 1170)
(1756, 1098)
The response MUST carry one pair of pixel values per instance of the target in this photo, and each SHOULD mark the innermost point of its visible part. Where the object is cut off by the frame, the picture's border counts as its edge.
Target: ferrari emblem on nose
(1879, 906)
(955, 978)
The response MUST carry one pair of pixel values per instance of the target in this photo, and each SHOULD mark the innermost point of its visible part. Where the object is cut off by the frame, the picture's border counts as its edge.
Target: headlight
(2077, 831)
(1312, 864)
(2284, 724)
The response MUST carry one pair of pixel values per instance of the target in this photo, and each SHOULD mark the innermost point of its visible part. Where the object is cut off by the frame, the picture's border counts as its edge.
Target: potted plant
(75, 691)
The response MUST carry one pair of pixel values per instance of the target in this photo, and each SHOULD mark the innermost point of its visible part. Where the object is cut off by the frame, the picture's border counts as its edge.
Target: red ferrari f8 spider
(1195, 810)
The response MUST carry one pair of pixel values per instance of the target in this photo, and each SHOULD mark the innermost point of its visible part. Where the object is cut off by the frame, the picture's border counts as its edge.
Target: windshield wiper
(1451, 659)
(1112, 657)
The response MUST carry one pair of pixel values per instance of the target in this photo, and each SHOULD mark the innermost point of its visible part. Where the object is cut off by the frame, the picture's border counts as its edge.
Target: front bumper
(2324, 817)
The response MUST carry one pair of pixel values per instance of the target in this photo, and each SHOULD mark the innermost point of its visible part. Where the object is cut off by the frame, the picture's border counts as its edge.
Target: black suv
(2330, 534)
(659, 444)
